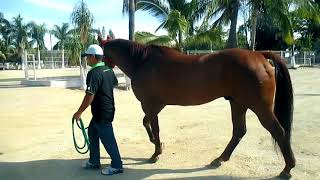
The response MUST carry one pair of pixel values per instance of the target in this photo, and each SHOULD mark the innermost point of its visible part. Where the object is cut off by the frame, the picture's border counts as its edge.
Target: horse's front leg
(158, 144)
(151, 124)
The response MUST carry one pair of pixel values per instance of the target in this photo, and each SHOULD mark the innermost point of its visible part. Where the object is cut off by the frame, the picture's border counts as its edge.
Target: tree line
(190, 24)
(213, 24)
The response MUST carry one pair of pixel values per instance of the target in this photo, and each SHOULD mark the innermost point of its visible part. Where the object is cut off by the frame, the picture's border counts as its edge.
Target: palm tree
(5, 40)
(176, 25)
(61, 33)
(227, 12)
(193, 11)
(20, 32)
(73, 45)
(82, 20)
(151, 39)
(37, 35)
(280, 11)
(129, 6)
(181, 14)
(207, 38)
(5, 30)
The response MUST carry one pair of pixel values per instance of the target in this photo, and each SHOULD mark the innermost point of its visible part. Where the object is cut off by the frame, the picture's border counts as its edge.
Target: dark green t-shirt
(100, 82)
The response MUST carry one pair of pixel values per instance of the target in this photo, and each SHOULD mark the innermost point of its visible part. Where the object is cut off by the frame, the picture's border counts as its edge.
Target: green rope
(85, 136)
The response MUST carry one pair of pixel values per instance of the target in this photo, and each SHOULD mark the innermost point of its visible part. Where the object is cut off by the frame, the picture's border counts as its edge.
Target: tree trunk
(38, 57)
(131, 19)
(62, 58)
(232, 39)
(180, 39)
(82, 75)
(254, 16)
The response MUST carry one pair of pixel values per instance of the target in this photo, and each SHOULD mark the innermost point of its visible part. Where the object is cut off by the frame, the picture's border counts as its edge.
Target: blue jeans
(103, 130)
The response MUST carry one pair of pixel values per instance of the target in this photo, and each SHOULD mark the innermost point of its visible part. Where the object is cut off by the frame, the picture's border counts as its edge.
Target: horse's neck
(131, 60)
(126, 65)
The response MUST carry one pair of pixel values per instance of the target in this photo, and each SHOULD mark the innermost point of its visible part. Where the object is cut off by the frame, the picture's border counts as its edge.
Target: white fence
(34, 76)
(296, 59)
(48, 60)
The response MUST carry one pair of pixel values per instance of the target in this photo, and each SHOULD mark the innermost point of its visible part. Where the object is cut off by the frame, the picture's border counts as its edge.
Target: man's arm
(87, 100)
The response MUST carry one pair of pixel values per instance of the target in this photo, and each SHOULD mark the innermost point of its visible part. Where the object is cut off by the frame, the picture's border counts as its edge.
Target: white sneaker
(89, 165)
(111, 171)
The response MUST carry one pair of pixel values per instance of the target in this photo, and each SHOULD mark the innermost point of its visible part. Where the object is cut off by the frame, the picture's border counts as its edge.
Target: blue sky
(107, 13)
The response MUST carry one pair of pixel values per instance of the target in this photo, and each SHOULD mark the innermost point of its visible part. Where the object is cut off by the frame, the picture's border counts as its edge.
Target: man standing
(99, 94)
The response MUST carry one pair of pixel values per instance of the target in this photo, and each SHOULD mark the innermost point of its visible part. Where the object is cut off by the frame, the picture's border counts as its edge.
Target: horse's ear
(100, 40)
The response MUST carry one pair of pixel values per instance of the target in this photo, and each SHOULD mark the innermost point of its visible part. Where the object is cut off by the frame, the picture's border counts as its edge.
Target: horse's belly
(187, 97)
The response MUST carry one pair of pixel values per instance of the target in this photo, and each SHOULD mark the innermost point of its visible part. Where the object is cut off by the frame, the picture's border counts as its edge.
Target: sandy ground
(36, 140)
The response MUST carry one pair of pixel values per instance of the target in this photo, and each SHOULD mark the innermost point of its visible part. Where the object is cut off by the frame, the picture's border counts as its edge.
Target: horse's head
(107, 60)
(119, 52)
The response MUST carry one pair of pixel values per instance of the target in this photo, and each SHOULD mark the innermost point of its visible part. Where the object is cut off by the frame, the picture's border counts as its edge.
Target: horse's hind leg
(239, 130)
(271, 123)
(147, 125)
(151, 124)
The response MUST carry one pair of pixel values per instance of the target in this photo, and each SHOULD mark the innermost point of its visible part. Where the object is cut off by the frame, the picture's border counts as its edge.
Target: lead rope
(85, 136)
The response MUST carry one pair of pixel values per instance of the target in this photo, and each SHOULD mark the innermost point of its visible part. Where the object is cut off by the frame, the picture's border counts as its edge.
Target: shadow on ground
(70, 170)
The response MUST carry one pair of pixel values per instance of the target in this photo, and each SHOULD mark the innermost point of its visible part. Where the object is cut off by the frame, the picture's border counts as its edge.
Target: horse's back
(196, 79)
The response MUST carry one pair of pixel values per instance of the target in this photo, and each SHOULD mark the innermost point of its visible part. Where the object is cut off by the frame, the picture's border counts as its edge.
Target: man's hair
(98, 57)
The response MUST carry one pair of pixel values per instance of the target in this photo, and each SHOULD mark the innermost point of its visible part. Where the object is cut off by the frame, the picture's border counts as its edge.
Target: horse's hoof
(284, 175)
(153, 159)
(215, 164)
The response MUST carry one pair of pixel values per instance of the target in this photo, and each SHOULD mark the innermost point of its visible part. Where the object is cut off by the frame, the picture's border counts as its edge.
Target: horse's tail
(283, 107)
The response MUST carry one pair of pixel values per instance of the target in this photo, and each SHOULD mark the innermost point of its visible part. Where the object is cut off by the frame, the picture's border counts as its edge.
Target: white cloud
(61, 6)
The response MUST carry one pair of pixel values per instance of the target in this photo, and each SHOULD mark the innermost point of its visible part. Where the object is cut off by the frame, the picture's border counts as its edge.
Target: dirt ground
(36, 140)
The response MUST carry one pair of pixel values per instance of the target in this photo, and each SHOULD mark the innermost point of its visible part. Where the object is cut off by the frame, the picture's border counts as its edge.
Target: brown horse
(163, 76)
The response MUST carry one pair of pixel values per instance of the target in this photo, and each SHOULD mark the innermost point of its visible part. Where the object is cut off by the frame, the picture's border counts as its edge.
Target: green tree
(111, 34)
(176, 26)
(226, 11)
(5, 38)
(20, 33)
(269, 34)
(73, 46)
(308, 29)
(62, 33)
(210, 37)
(5, 31)
(37, 34)
(151, 39)
(280, 11)
(178, 17)
(82, 19)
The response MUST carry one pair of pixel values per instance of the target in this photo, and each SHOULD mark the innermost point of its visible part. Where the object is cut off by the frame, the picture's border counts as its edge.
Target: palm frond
(148, 38)
(156, 8)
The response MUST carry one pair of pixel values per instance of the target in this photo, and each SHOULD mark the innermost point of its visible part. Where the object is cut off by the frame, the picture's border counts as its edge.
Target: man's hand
(77, 115)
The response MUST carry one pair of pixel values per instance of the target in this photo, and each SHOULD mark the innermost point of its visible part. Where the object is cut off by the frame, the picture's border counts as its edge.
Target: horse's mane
(140, 52)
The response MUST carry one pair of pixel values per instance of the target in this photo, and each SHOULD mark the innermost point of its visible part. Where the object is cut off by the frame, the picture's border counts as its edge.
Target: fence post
(62, 57)
(25, 64)
(23, 60)
(314, 58)
(38, 57)
(52, 63)
(34, 67)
